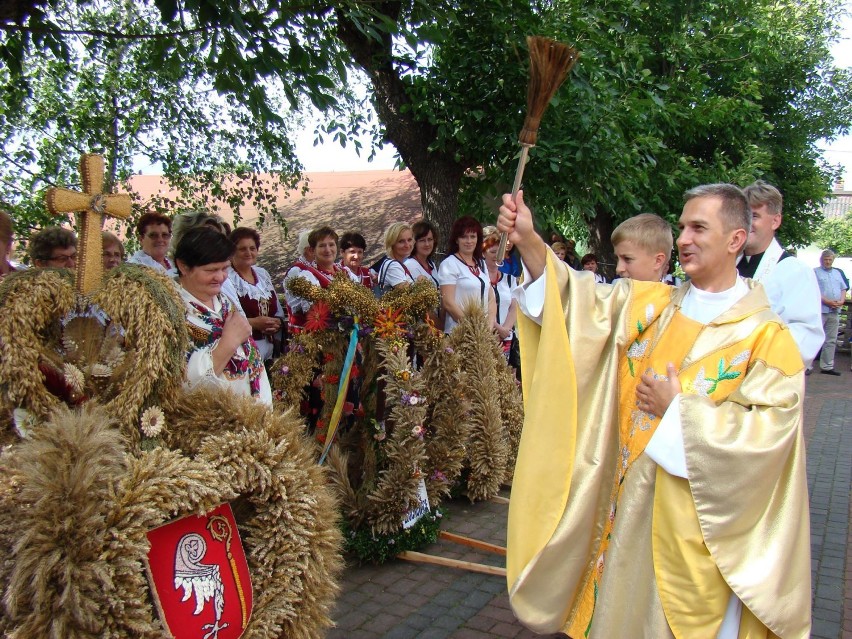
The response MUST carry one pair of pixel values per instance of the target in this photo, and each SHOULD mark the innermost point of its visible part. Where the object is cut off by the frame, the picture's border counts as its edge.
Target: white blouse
(143, 259)
(417, 271)
(454, 272)
(392, 273)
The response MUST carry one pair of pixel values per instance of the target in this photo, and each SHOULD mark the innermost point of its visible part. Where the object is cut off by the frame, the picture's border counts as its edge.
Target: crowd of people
(239, 317)
(468, 272)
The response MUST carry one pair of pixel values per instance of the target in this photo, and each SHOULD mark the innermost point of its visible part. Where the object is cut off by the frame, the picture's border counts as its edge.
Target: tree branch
(17, 28)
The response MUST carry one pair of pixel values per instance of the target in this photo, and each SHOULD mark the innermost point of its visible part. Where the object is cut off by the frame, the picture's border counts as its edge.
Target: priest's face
(764, 223)
(707, 247)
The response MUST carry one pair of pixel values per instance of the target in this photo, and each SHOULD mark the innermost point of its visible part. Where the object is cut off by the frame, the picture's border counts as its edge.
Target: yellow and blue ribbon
(336, 414)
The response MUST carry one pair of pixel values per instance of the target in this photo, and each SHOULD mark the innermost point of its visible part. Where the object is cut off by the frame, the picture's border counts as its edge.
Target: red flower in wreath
(332, 379)
(389, 323)
(318, 317)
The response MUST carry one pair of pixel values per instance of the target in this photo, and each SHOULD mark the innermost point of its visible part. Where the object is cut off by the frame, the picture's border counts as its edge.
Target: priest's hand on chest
(656, 391)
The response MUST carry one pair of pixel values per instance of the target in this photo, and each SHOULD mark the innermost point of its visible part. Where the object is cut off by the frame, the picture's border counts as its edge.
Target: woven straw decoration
(92, 205)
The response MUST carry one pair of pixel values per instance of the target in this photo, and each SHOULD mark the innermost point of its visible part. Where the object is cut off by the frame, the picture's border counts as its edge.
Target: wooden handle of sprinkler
(519, 175)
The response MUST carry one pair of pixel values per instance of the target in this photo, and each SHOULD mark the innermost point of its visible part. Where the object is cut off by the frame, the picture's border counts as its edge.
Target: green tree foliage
(199, 93)
(668, 95)
(835, 233)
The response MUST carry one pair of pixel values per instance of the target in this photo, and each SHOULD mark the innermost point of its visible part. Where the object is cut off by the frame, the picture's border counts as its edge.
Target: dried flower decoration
(389, 323)
(100, 370)
(153, 421)
(418, 431)
(68, 344)
(318, 317)
(114, 357)
(437, 475)
(74, 377)
(411, 399)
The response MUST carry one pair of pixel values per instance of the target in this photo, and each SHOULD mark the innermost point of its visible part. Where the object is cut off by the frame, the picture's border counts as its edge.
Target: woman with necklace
(463, 275)
(255, 291)
(421, 264)
(222, 353)
(502, 284)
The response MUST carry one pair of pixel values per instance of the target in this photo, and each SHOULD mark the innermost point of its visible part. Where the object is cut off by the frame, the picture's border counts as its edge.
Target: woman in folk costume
(255, 291)
(352, 247)
(222, 352)
(187, 220)
(323, 242)
(662, 493)
(421, 264)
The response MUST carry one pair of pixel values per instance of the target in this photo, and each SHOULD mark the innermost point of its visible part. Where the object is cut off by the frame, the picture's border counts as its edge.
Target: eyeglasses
(158, 236)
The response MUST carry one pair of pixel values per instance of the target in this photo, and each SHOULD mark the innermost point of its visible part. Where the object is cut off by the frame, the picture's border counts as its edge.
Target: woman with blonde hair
(399, 242)
(182, 222)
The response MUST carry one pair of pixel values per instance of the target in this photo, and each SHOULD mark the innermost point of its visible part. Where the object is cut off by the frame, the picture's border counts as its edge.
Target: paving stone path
(403, 600)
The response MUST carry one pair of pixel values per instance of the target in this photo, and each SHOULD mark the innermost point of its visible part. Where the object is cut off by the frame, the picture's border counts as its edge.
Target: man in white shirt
(790, 285)
(832, 289)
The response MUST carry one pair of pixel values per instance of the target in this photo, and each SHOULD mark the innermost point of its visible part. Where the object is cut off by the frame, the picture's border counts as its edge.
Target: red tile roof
(363, 201)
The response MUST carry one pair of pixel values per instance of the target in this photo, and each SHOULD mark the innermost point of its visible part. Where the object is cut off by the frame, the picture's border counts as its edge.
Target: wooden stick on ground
(423, 558)
(473, 543)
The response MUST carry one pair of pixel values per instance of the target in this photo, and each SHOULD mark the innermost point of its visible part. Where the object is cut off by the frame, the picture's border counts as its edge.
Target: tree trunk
(439, 196)
(438, 174)
(600, 232)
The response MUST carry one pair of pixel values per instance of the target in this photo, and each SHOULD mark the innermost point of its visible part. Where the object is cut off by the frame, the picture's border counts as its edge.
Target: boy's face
(637, 263)
(560, 253)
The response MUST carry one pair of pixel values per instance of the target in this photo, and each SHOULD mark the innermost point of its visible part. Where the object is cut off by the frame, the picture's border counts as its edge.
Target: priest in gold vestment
(660, 486)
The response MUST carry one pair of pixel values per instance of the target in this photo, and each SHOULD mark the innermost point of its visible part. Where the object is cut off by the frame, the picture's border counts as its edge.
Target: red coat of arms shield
(199, 576)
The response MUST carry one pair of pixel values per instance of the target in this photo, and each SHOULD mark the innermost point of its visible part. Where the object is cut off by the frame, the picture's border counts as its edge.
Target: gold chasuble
(604, 543)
